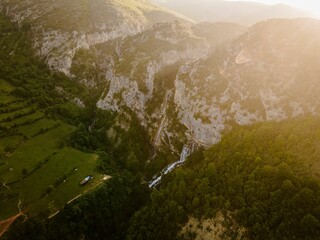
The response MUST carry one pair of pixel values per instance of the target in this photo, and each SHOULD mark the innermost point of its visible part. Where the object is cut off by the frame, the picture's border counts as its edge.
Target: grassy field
(54, 184)
(10, 142)
(37, 171)
(38, 127)
(33, 153)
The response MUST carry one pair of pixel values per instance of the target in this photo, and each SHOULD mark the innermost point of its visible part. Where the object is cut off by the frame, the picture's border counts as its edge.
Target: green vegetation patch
(66, 170)
(53, 184)
(38, 171)
(38, 127)
(13, 107)
(33, 152)
(15, 114)
(6, 99)
(105, 213)
(6, 87)
(265, 175)
(8, 144)
(20, 121)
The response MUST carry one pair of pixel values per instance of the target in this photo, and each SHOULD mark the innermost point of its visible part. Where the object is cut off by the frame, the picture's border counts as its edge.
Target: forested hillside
(265, 176)
(262, 178)
(52, 136)
(38, 114)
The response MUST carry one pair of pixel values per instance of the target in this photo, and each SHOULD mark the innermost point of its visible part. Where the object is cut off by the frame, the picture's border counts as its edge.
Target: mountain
(268, 73)
(185, 82)
(140, 72)
(99, 89)
(241, 12)
(255, 184)
(61, 27)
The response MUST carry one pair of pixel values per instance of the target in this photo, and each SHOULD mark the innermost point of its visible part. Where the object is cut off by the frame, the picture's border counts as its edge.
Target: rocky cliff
(141, 73)
(62, 27)
(185, 82)
(269, 73)
(197, 88)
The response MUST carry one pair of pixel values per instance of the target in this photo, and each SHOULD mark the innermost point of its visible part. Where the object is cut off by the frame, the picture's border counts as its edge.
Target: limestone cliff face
(58, 48)
(269, 73)
(131, 83)
(141, 74)
(62, 27)
(184, 81)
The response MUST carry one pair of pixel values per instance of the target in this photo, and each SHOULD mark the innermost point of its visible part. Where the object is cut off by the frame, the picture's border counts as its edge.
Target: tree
(309, 225)
(24, 171)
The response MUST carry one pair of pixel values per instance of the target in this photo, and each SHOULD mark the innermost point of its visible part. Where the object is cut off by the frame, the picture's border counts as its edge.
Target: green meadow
(38, 172)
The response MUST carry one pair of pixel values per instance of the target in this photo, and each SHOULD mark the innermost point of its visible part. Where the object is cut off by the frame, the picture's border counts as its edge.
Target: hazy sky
(310, 5)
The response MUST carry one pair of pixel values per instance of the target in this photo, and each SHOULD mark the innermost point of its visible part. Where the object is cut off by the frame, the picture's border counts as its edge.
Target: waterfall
(185, 153)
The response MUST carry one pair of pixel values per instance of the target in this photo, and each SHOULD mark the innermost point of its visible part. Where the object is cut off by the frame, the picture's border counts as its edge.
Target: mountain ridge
(242, 12)
(61, 27)
(197, 81)
(242, 82)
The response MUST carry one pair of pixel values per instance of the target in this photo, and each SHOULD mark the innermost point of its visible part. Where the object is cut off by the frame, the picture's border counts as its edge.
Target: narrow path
(5, 224)
(75, 198)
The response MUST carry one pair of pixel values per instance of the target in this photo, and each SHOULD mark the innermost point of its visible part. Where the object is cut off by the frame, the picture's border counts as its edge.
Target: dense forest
(264, 175)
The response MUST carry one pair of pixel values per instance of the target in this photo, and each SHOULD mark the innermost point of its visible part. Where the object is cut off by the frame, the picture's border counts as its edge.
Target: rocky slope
(140, 72)
(192, 92)
(269, 73)
(185, 82)
(61, 27)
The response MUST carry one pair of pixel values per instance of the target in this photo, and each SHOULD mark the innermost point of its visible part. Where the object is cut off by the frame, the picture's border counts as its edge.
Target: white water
(183, 157)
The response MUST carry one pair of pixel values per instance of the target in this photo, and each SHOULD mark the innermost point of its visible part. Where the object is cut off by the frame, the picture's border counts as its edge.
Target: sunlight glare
(313, 6)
